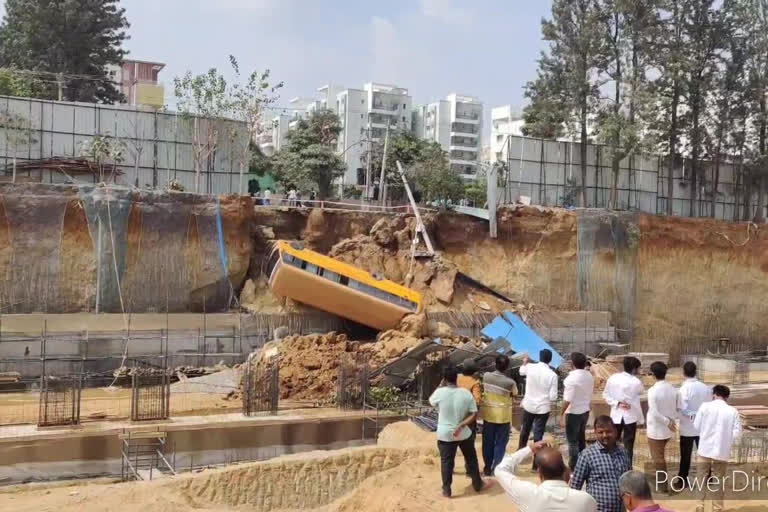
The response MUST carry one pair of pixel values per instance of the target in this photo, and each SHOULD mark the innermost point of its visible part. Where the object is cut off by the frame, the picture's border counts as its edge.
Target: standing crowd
(597, 477)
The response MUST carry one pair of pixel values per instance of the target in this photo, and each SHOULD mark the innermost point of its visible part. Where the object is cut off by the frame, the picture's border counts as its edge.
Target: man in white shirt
(622, 392)
(267, 196)
(553, 494)
(540, 392)
(662, 414)
(577, 397)
(718, 425)
(691, 395)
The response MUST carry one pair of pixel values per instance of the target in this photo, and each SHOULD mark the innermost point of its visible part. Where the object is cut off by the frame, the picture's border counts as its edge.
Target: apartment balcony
(462, 147)
(462, 161)
(385, 108)
(468, 117)
(455, 133)
(464, 130)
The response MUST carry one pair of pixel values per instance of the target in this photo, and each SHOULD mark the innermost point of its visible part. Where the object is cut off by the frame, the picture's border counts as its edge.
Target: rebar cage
(261, 388)
(352, 383)
(150, 393)
(59, 400)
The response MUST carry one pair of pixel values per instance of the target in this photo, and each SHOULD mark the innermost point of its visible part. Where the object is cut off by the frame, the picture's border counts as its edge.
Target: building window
(403, 118)
(403, 106)
(361, 116)
(362, 101)
(499, 138)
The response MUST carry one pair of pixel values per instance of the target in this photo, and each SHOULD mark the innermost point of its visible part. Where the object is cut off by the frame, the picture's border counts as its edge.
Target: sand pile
(405, 434)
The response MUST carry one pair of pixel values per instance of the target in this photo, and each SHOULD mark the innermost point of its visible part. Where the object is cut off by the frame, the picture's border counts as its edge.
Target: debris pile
(309, 364)
(386, 251)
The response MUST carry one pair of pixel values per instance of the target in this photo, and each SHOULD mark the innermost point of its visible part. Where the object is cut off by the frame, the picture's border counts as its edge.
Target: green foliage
(203, 95)
(78, 38)
(102, 149)
(14, 83)
(383, 396)
(260, 164)
(428, 171)
(308, 159)
(204, 102)
(567, 89)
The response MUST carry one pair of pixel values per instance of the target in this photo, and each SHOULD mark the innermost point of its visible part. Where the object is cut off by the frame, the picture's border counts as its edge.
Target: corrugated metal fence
(160, 142)
(549, 173)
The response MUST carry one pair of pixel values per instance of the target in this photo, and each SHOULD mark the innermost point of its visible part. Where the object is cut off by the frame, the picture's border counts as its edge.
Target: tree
(431, 175)
(726, 119)
(426, 164)
(74, 40)
(703, 31)
(308, 158)
(17, 83)
(571, 64)
(754, 20)
(18, 133)
(670, 62)
(627, 28)
(403, 146)
(545, 114)
(204, 102)
(249, 100)
(260, 164)
(103, 150)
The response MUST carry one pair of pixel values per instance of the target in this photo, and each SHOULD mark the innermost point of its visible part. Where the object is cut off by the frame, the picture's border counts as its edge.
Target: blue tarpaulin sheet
(520, 337)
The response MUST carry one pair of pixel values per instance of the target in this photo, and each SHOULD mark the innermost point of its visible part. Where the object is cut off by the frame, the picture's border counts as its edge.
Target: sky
(483, 48)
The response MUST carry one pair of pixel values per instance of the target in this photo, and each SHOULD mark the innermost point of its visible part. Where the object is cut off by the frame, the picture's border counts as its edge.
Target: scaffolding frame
(145, 452)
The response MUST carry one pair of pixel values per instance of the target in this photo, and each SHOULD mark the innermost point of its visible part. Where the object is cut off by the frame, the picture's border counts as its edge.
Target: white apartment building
(273, 132)
(456, 124)
(276, 128)
(327, 98)
(364, 115)
(505, 122)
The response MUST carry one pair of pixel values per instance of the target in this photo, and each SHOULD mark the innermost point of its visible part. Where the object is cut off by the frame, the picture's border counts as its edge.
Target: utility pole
(60, 82)
(368, 195)
(382, 183)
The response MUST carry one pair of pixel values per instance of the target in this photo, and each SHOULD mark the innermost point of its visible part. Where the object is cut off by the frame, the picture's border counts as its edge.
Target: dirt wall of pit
(68, 248)
(667, 280)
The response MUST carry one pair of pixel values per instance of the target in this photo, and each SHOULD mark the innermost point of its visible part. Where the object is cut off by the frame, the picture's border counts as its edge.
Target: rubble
(309, 364)
(386, 250)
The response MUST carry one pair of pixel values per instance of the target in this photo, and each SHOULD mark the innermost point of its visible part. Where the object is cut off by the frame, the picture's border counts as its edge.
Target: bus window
(331, 276)
(312, 269)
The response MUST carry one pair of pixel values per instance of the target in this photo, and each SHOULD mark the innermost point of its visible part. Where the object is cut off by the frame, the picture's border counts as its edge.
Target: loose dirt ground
(401, 474)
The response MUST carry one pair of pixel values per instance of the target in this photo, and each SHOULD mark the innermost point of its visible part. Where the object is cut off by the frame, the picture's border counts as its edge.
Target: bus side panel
(335, 298)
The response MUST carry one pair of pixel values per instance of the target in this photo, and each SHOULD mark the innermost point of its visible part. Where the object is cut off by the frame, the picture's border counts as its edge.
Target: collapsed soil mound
(309, 364)
(386, 251)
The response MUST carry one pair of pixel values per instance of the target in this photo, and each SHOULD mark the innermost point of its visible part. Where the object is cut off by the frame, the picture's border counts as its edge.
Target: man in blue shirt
(456, 411)
(601, 465)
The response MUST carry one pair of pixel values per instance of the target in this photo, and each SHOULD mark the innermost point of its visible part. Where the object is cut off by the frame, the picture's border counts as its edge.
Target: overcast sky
(485, 48)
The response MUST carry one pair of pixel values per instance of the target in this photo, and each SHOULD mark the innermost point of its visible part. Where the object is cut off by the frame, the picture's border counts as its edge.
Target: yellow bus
(344, 290)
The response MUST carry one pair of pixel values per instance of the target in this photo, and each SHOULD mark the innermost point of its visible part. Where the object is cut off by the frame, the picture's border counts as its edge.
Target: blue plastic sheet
(520, 337)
